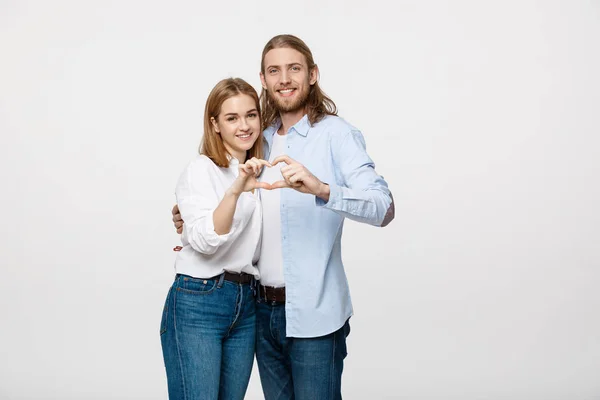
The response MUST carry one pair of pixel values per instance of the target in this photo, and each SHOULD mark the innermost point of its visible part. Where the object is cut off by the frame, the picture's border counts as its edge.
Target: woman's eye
(231, 119)
(252, 115)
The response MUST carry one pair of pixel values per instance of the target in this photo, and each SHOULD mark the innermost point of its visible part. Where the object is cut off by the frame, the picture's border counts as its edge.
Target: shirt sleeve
(197, 200)
(360, 193)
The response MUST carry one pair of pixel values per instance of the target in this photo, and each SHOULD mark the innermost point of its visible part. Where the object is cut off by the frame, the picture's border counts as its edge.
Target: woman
(208, 322)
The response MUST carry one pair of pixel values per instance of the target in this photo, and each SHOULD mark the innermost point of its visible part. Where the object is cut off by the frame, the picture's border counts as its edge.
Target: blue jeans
(208, 332)
(297, 368)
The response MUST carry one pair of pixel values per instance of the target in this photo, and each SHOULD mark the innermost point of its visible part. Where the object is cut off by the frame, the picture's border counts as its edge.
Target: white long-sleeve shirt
(205, 254)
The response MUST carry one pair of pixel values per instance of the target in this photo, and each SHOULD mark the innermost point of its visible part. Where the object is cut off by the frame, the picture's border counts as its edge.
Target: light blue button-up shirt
(316, 289)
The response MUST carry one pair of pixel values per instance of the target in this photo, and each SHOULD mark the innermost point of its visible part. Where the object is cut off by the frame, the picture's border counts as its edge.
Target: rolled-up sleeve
(360, 193)
(197, 200)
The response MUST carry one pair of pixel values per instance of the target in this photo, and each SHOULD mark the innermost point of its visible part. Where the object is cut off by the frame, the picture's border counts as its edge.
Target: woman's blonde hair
(212, 144)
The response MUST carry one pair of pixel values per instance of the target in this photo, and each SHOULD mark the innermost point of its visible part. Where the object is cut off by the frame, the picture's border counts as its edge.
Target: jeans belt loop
(221, 279)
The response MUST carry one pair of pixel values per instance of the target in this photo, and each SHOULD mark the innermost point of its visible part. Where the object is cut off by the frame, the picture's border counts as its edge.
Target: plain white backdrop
(483, 116)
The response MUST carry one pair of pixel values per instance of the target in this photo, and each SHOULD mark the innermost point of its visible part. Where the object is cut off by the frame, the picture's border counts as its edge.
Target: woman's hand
(246, 180)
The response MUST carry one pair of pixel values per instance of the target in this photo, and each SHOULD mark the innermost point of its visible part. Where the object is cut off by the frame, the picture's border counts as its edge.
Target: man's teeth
(286, 90)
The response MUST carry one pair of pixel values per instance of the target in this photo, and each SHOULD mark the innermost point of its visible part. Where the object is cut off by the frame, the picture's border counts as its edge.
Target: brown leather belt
(270, 293)
(242, 278)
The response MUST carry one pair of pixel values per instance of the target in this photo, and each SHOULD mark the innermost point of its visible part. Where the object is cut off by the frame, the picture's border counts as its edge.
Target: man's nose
(285, 76)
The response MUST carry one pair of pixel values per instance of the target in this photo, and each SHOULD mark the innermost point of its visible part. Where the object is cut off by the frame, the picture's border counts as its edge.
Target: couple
(260, 267)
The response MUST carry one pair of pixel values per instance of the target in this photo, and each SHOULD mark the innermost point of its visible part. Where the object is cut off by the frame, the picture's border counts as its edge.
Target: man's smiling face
(287, 79)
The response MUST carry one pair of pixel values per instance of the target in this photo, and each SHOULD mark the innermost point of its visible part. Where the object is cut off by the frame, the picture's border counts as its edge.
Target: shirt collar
(301, 127)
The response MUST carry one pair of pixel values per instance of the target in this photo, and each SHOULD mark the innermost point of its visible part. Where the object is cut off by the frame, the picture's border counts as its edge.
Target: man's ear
(262, 81)
(215, 125)
(314, 75)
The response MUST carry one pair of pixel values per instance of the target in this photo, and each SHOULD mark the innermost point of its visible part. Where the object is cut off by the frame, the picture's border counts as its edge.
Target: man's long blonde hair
(317, 104)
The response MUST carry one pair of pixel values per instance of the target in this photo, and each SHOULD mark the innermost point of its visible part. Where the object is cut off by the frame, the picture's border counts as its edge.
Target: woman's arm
(209, 220)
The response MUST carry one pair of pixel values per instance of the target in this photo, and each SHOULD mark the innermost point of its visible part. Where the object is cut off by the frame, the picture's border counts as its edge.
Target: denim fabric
(208, 332)
(297, 368)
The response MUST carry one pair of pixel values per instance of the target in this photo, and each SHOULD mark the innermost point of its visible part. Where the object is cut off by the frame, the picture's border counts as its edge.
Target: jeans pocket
(197, 286)
(165, 314)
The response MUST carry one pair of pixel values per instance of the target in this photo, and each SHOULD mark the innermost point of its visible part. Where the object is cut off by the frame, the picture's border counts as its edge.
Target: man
(303, 299)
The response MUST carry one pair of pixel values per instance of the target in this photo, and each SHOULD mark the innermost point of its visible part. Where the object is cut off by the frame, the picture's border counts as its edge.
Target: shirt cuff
(335, 198)
(203, 237)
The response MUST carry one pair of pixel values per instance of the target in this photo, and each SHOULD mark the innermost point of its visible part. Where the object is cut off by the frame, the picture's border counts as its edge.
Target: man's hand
(177, 221)
(298, 177)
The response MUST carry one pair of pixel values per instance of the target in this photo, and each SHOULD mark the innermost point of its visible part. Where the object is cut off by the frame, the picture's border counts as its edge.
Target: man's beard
(285, 106)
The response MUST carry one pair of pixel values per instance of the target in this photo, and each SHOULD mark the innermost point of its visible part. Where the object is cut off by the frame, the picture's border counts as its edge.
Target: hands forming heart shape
(295, 176)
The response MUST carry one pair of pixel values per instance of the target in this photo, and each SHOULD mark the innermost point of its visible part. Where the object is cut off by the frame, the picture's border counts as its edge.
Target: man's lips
(286, 92)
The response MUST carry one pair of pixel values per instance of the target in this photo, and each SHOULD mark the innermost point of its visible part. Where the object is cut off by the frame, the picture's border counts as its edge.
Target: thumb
(279, 185)
(263, 185)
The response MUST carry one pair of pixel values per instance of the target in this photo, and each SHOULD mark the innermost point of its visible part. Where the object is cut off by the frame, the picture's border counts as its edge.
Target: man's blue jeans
(297, 368)
(208, 332)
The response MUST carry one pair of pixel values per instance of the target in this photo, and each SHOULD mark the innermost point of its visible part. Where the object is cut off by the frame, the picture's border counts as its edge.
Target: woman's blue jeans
(208, 337)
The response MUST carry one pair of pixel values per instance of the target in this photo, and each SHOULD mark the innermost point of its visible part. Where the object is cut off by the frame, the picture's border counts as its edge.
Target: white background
(482, 116)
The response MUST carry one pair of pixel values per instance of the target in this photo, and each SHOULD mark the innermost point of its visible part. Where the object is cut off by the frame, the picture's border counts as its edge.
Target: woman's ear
(215, 125)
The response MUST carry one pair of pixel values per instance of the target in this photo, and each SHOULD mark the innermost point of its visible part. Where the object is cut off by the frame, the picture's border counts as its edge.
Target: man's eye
(272, 71)
(295, 68)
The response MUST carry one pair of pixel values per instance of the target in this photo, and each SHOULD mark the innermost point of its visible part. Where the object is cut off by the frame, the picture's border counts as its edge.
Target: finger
(176, 217)
(279, 185)
(180, 230)
(255, 167)
(302, 175)
(246, 170)
(296, 169)
(296, 181)
(287, 175)
(293, 184)
(287, 168)
(178, 224)
(286, 159)
(261, 162)
(175, 210)
(293, 167)
(295, 178)
(263, 185)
